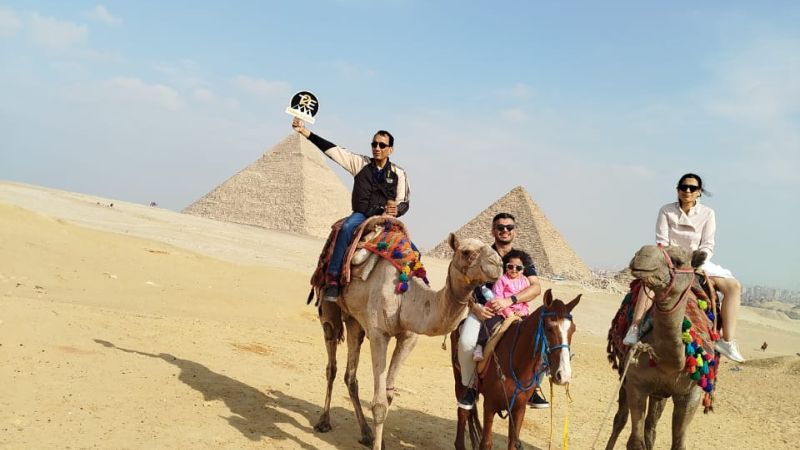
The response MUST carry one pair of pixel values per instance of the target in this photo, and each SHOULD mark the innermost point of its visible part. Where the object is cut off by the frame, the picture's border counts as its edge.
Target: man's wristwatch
(514, 300)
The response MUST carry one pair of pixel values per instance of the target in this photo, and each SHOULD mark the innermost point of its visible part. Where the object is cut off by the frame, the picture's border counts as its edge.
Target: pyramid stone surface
(290, 188)
(535, 235)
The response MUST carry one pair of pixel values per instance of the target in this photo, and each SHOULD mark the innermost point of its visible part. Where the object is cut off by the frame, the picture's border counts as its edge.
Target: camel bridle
(673, 273)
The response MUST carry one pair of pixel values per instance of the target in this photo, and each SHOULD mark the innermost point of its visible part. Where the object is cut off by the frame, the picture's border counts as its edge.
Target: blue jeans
(343, 240)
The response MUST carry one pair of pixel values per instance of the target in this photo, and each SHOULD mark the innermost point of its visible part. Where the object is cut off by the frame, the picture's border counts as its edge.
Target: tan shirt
(353, 163)
(694, 231)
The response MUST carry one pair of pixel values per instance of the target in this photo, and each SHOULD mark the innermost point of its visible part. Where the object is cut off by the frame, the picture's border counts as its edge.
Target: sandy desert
(137, 327)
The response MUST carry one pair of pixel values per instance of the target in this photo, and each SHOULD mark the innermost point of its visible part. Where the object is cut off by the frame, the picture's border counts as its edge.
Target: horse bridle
(540, 342)
(673, 271)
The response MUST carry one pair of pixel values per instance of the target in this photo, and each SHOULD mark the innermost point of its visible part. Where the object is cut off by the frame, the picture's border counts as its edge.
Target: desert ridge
(136, 327)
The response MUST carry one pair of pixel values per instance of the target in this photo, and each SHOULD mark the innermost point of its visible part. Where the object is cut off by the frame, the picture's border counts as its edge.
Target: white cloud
(203, 95)
(10, 24)
(54, 34)
(261, 87)
(101, 14)
(519, 91)
(134, 90)
(515, 114)
(759, 92)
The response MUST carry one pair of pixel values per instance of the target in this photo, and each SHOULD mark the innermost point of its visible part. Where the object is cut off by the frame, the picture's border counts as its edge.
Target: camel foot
(367, 441)
(323, 426)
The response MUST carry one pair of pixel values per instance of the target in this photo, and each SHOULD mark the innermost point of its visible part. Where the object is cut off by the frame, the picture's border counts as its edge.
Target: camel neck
(434, 313)
(667, 333)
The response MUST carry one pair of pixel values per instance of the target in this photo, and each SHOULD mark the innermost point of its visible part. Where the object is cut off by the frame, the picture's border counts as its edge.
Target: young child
(511, 283)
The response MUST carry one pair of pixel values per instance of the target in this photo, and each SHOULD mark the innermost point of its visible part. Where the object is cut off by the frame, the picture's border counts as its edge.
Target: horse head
(557, 328)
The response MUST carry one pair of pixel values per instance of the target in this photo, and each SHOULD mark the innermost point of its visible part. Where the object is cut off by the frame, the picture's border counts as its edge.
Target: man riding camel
(379, 187)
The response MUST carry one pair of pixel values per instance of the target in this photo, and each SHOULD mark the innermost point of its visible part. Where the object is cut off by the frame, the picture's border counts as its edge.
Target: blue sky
(596, 108)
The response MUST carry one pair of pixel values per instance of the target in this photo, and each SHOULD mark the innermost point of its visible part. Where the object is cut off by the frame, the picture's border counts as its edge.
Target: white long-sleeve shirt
(694, 230)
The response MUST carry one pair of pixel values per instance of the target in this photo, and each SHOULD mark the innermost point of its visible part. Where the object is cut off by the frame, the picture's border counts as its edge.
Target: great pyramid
(535, 235)
(290, 188)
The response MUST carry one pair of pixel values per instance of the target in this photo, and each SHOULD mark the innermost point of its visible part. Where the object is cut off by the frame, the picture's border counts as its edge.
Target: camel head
(476, 261)
(651, 266)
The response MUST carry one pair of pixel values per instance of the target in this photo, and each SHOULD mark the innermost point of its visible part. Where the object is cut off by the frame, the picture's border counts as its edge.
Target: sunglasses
(688, 187)
(379, 144)
(504, 227)
(516, 267)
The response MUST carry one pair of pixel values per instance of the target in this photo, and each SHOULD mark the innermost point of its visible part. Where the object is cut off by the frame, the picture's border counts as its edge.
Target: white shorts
(715, 270)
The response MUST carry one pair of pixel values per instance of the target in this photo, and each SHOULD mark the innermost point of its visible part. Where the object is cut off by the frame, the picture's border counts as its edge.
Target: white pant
(466, 345)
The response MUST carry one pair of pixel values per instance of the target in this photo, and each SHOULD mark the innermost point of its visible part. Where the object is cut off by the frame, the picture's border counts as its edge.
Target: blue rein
(539, 342)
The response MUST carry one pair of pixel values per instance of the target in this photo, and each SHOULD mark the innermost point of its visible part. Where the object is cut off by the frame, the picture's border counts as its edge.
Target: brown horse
(509, 380)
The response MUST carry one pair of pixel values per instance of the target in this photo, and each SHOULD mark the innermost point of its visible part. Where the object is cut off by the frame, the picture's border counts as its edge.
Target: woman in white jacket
(692, 225)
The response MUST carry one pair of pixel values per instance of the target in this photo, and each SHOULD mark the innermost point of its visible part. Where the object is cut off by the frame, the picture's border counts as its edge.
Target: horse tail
(310, 296)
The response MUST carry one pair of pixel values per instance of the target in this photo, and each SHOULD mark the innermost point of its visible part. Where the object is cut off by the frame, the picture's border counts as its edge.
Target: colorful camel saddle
(384, 236)
(698, 334)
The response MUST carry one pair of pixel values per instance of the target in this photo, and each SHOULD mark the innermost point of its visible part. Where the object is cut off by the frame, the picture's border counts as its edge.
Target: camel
(669, 272)
(371, 308)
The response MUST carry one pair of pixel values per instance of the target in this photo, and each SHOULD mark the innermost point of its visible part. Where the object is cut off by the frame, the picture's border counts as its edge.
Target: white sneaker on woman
(632, 336)
(729, 349)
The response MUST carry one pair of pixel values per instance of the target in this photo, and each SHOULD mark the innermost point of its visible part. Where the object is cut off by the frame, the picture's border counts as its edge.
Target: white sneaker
(730, 350)
(632, 336)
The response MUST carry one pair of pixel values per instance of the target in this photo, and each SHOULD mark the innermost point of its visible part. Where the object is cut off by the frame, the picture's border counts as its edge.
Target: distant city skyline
(595, 109)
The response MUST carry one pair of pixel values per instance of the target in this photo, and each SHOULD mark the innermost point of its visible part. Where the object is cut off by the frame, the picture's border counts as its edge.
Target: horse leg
(378, 343)
(330, 317)
(637, 403)
(405, 343)
(654, 410)
(488, 418)
(620, 419)
(463, 417)
(515, 419)
(355, 337)
(684, 407)
(475, 430)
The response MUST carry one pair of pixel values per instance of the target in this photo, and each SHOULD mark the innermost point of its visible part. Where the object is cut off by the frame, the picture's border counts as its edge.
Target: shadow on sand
(256, 414)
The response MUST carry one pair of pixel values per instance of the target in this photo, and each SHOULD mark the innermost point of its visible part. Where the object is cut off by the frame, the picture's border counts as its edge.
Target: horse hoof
(366, 441)
(322, 427)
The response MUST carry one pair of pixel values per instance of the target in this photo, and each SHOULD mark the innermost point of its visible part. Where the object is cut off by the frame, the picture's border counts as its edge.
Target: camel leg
(620, 419)
(684, 407)
(355, 337)
(405, 343)
(378, 343)
(330, 316)
(637, 403)
(488, 419)
(654, 410)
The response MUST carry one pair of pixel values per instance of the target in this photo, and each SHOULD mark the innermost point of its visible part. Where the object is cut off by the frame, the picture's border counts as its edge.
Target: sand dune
(137, 327)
